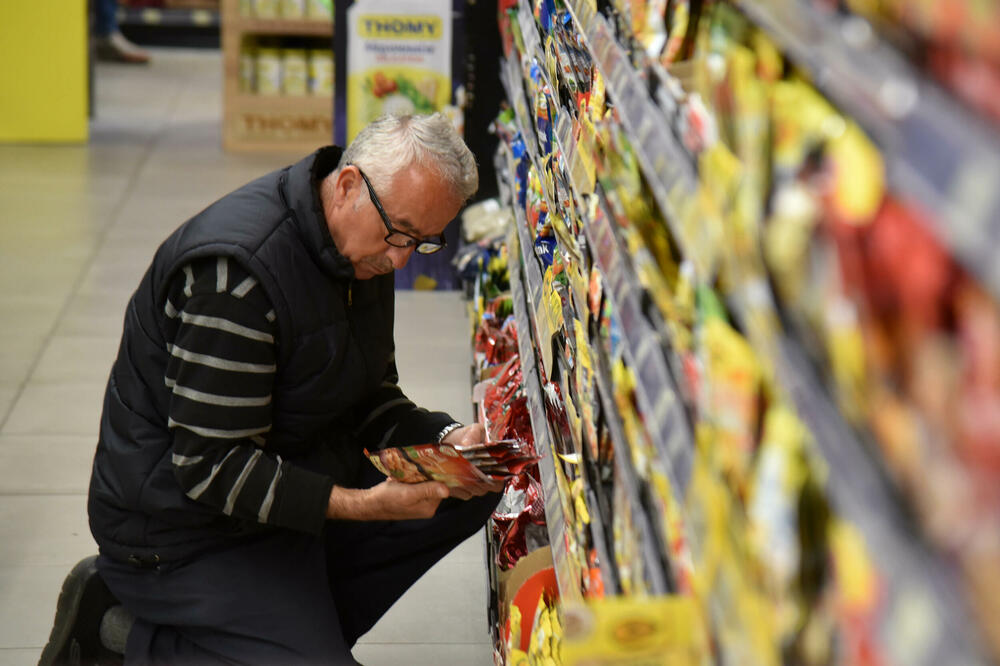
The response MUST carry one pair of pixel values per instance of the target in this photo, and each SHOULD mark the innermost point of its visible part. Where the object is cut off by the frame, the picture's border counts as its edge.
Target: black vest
(335, 342)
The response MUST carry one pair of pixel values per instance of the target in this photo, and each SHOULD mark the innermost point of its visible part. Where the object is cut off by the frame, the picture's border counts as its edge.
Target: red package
(428, 462)
(520, 507)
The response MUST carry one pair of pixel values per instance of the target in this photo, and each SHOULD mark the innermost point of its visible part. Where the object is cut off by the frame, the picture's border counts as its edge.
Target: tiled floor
(78, 225)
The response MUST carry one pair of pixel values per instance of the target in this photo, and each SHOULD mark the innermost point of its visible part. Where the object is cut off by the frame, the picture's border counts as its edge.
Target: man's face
(418, 203)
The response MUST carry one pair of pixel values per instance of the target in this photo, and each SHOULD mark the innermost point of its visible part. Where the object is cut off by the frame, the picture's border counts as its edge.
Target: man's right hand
(389, 500)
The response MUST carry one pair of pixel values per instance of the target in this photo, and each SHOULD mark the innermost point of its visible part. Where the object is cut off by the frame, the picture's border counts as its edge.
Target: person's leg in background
(111, 43)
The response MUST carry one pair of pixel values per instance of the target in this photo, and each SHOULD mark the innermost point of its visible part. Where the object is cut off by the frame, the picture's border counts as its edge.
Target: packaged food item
(319, 10)
(267, 9)
(248, 68)
(428, 462)
(294, 72)
(518, 522)
(268, 70)
(320, 64)
(654, 631)
(292, 9)
(730, 394)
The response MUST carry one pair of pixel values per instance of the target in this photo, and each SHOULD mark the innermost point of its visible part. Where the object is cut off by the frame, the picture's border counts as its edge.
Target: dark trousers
(285, 598)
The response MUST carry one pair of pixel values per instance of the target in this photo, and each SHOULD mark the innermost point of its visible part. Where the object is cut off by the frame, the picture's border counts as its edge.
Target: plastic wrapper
(517, 519)
(466, 467)
(428, 462)
(496, 340)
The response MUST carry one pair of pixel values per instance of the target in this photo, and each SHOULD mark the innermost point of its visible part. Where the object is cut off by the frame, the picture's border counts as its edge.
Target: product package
(455, 466)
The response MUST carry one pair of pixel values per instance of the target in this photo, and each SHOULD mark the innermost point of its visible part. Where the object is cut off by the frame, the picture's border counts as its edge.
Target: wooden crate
(258, 123)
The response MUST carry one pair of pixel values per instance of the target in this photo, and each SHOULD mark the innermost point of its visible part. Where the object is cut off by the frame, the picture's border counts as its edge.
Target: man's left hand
(468, 436)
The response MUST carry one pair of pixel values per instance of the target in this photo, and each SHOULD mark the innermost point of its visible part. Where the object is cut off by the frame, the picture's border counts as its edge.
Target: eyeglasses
(398, 238)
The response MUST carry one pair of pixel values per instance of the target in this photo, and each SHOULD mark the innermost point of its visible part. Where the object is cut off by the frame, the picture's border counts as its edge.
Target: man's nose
(399, 256)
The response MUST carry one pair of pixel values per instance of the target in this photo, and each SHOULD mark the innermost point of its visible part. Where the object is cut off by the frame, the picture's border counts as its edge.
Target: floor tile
(18, 354)
(447, 605)
(152, 216)
(472, 550)
(61, 171)
(7, 396)
(49, 530)
(118, 267)
(158, 180)
(93, 314)
(65, 212)
(65, 459)
(56, 409)
(103, 298)
(18, 657)
(417, 654)
(75, 359)
(28, 605)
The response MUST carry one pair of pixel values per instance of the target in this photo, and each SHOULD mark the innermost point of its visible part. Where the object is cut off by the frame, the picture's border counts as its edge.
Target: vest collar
(299, 187)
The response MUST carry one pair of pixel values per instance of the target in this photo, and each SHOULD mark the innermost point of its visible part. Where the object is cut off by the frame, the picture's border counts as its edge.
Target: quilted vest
(334, 344)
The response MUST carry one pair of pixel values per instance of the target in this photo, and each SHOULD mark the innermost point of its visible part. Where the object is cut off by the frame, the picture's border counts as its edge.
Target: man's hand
(389, 500)
(468, 436)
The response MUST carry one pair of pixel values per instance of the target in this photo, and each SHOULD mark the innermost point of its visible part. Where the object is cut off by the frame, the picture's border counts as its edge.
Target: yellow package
(657, 631)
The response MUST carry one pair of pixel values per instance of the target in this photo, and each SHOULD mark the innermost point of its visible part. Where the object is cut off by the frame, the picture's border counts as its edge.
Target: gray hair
(390, 144)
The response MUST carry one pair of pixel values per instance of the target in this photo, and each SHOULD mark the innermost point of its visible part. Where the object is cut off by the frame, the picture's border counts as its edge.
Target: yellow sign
(656, 631)
(396, 26)
(399, 60)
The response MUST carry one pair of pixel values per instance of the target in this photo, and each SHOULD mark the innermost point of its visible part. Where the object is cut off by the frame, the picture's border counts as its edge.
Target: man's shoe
(75, 638)
(116, 48)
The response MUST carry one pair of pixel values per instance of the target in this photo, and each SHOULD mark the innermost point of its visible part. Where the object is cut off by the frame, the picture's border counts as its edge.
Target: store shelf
(268, 123)
(938, 153)
(555, 519)
(293, 27)
(533, 289)
(529, 32)
(510, 78)
(649, 536)
(656, 391)
(599, 536)
(939, 156)
(918, 582)
(668, 168)
(857, 490)
(168, 17)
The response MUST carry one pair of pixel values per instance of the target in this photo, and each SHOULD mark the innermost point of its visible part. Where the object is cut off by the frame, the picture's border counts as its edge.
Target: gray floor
(77, 226)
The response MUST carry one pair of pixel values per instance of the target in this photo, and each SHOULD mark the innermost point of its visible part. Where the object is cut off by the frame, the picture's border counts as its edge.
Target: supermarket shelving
(921, 585)
(259, 123)
(937, 152)
(555, 519)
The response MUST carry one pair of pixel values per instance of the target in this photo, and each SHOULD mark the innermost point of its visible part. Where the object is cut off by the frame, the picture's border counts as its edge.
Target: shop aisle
(78, 226)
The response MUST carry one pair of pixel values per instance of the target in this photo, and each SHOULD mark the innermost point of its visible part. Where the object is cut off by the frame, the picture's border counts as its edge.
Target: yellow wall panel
(43, 71)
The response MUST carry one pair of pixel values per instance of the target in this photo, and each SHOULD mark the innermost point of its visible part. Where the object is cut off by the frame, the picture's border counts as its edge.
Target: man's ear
(347, 186)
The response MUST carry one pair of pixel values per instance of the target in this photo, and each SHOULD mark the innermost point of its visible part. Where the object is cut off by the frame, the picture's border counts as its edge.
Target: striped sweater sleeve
(221, 337)
(389, 418)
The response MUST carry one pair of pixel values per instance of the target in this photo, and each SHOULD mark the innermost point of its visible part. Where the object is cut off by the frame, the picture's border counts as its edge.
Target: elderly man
(236, 519)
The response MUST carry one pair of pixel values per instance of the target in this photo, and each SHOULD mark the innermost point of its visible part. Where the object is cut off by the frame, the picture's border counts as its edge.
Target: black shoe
(75, 638)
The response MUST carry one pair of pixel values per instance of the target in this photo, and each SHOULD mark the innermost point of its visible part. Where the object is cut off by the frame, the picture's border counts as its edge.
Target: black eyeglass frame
(422, 245)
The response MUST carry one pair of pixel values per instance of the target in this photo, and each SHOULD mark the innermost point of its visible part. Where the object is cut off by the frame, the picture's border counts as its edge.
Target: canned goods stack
(290, 67)
(287, 9)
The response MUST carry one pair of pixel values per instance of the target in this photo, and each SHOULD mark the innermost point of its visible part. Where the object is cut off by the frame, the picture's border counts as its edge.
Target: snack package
(428, 462)
(518, 522)
(655, 631)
